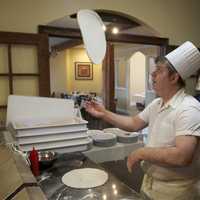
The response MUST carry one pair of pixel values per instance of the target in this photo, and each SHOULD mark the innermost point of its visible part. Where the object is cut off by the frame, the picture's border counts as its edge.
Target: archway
(140, 34)
(137, 78)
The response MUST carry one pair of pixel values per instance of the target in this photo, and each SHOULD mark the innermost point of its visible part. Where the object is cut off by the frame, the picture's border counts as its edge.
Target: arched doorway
(139, 33)
(133, 67)
(137, 78)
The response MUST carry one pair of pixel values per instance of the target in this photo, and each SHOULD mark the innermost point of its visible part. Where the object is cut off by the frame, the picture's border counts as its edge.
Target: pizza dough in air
(85, 178)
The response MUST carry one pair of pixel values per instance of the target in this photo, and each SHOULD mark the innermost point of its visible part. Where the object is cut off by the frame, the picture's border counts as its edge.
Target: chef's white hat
(185, 59)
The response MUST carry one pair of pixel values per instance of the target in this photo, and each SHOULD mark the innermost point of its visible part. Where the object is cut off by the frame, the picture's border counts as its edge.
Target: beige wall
(24, 60)
(137, 73)
(94, 85)
(120, 72)
(58, 72)
(175, 19)
(63, 73)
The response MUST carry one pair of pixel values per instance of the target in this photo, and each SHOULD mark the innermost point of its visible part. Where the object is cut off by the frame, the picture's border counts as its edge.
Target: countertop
(51, 184)
(53, 188)
(113, 153)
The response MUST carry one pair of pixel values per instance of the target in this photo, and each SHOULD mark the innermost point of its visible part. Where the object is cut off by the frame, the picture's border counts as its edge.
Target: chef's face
(161, 79)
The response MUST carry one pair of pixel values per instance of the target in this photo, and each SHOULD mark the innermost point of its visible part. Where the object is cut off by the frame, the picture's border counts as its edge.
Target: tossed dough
(85, 178)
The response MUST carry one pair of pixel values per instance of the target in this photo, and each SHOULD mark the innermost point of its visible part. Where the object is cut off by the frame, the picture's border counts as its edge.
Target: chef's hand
(134, 158)
(95, 108)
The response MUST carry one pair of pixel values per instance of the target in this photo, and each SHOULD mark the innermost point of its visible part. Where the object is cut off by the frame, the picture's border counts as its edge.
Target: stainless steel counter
(113, 153)
(51, 184)
(53, 188)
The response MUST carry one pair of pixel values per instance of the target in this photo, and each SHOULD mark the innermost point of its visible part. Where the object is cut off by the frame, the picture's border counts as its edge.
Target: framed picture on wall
(83, 71)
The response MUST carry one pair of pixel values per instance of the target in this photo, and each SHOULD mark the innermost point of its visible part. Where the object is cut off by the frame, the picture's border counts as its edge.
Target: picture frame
(83, 71)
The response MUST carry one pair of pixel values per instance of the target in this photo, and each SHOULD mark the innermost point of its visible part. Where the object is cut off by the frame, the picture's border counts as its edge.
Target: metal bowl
(47, 158)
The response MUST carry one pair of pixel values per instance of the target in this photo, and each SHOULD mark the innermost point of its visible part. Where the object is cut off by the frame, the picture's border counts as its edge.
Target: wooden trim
(108, 78)
(66, 45)
(3, 106)
(2, 126)
(137, 39)
(43, 63)
(4, 74)
(20, 38)
(25, 74)
(60, 32)
(19, 74)
(41, 42)
(10, 70)
(126, 38)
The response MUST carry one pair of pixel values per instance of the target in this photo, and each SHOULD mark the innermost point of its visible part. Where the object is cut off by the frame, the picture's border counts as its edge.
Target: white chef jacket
(179, 116)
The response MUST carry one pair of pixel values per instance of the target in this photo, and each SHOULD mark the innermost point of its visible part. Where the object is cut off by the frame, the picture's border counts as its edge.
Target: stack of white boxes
(46, 124)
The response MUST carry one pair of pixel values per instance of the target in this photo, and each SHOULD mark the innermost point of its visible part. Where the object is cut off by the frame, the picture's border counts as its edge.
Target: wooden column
(109, 79)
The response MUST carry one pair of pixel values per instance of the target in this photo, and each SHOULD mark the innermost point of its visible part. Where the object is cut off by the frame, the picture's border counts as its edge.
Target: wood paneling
(40, 41)
(66, 45)
(108, 78)
(125, 38)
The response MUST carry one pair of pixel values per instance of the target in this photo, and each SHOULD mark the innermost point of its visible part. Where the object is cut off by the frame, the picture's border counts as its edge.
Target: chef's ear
(174, 77)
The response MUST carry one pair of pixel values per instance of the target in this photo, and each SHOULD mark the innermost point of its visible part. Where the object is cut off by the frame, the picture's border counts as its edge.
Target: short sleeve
(145, 114)
(188, 122)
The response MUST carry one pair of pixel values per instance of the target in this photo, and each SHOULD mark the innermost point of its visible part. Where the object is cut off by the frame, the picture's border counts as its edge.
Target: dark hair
(171, 69)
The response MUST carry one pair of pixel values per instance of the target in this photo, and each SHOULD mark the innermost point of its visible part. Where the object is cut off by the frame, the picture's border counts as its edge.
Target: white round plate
(104, 137)
(92, 132)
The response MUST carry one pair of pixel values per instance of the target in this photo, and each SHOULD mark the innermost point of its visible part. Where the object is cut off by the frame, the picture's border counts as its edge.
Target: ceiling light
(115, 30)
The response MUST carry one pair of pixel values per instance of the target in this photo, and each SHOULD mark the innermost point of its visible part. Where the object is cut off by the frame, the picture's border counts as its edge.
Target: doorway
(133, 67)
(133, 34)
